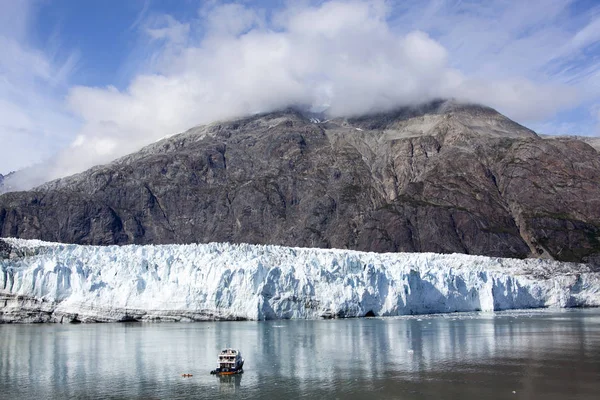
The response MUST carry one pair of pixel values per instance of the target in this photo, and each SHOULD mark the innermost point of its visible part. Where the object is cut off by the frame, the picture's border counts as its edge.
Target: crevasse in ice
(60, 282)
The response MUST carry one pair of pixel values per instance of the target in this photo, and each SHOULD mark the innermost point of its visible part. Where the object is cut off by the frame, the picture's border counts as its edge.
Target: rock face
(5, 249)
(441, 178)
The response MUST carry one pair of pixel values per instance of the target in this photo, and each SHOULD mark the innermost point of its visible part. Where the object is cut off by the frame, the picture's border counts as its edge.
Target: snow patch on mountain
(42, 282)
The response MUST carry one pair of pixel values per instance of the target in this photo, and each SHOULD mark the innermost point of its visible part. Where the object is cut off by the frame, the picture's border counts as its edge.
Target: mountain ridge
(444, 177)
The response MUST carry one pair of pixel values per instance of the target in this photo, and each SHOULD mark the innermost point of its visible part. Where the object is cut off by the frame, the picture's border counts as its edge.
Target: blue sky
(83, 82)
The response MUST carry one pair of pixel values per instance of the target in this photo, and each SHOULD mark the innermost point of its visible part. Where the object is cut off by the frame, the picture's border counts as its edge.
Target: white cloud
(350, 57)
(231, 19)
(168, 28)
(587, 35)
(341, 55)
(33, 122)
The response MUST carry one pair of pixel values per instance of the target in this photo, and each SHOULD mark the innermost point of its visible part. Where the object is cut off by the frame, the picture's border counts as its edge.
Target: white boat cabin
(230, 358)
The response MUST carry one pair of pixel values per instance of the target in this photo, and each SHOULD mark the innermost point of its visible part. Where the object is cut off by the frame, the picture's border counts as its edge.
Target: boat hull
(229, 371)
(239, 371)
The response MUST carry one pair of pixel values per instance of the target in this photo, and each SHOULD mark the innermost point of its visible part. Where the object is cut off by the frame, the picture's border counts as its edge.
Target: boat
(230, 362)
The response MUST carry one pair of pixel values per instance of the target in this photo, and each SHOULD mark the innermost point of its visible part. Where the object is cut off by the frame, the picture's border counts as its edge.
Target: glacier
(53, 282)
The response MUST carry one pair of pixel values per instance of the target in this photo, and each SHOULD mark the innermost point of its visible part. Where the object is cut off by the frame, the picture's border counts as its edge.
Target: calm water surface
(516, 355)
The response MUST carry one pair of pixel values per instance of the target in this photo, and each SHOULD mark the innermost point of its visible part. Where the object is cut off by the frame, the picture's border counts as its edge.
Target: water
(515, 355)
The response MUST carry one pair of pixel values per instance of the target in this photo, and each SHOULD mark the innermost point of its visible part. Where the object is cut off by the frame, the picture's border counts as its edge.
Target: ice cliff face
(46, 282)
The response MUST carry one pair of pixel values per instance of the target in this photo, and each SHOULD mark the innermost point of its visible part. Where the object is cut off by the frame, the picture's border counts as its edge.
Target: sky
(85, 82)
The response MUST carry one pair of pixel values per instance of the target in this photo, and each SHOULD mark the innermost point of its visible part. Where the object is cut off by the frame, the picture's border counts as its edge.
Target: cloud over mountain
(346, 57)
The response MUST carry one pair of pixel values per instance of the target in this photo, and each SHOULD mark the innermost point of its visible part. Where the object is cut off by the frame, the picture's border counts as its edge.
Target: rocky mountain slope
(443, 177)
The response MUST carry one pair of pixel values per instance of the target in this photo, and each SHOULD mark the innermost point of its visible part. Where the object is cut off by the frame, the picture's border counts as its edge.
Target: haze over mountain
(442, 177)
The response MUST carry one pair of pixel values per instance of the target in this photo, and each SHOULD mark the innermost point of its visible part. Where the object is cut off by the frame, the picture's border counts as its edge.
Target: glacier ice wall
(58, 282)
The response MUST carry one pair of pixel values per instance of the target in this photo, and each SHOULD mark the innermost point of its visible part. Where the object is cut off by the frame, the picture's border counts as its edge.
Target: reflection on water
(230, 384)
(534, 354)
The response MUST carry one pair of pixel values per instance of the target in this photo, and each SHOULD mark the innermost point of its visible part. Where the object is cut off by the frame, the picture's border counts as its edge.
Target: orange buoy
(187, 375)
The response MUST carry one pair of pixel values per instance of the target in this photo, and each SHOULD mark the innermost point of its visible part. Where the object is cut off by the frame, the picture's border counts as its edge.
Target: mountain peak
(473, 119)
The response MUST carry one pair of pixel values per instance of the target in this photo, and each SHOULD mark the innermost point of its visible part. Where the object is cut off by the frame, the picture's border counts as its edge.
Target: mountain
(593, 141)
(49, 282)
(443, 177)
(5, 181)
